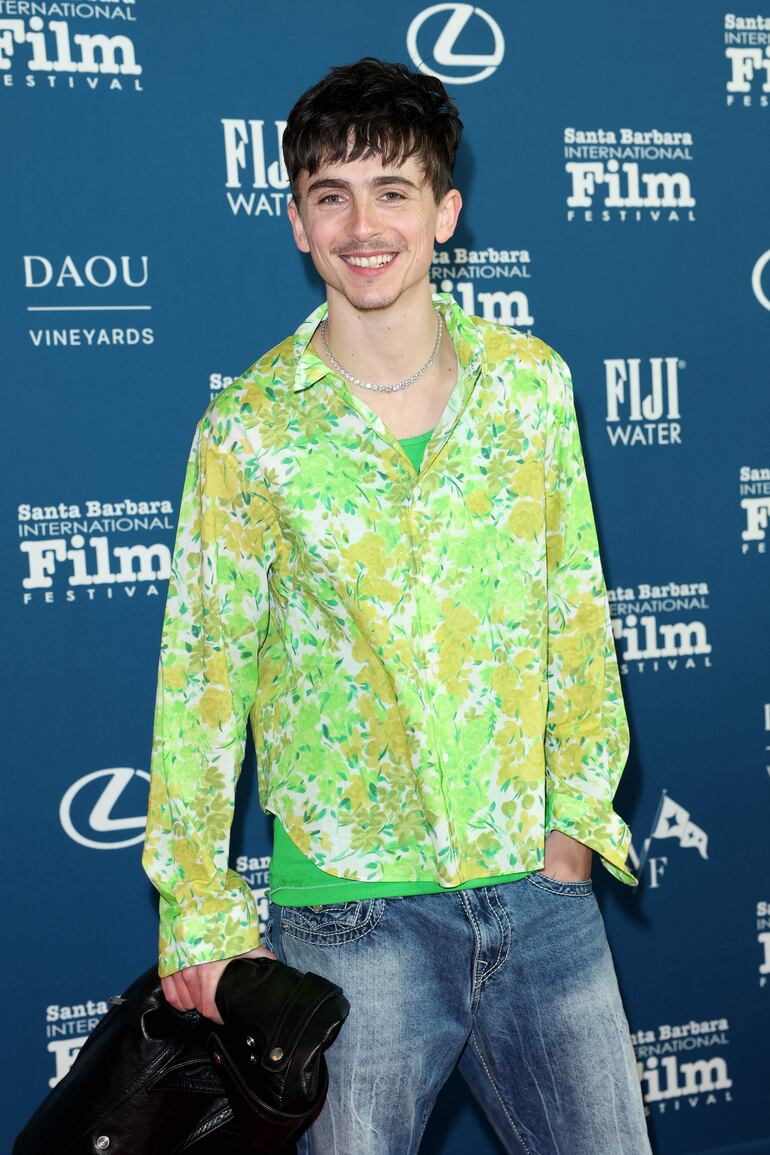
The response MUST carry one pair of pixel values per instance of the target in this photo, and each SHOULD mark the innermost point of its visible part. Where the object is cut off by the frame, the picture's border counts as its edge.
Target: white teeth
(370, 262)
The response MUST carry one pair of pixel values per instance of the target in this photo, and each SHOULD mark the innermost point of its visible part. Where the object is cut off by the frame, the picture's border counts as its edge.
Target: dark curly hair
(373, 107)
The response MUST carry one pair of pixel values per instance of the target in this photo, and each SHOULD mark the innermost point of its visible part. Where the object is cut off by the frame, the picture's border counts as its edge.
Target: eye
(330, 199)
(392, 195)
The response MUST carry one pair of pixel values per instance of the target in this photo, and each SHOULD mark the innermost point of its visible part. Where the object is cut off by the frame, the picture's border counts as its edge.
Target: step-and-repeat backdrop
(616, 175)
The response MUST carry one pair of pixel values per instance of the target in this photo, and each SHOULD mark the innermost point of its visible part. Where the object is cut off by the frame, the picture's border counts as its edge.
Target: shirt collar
(463, 329)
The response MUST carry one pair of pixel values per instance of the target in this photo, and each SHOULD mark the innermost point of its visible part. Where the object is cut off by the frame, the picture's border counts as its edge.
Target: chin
(372, 300)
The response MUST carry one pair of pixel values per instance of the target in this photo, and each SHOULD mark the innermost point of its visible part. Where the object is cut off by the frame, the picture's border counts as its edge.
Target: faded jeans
(513, 983)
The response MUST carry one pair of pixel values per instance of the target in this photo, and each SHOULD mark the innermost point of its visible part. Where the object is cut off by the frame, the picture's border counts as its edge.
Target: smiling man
(387, 560)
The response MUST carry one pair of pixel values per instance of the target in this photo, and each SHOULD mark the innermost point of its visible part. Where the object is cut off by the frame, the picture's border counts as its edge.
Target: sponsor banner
(87, 811)
(683, 1066)
(69, 44)
(763, 941)
(758, 282)
(67, 1026)
(672, 821)
(90, 299)
(747, 51)
(643, 406)
(256, 181)
(652, 635)
(255, 871)
(627, 174)
(490, 283)
(458, 43)
(754, 490)
(88, 550)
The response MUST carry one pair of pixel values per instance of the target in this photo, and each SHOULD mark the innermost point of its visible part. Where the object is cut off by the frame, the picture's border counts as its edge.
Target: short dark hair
(373, 107)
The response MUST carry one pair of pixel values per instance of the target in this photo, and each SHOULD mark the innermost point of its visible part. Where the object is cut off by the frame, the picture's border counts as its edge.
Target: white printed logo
(443, 52)
(747, 49)
(100, 821)
(666, 1074)
(628, 174)
(67, 1028)
(671, 821)
(462, 271)
(71, 552)
(763, 940)
(756, 280)
(100, 272)
(754, 488)
(649, 638)
(66, 285)
(643, 412)
(248, 163)
(695, 1082)
(64, 1051)
(63, 58)
(255, 871)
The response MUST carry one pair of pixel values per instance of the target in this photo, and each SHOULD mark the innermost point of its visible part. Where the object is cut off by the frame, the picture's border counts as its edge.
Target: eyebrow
(376, 182)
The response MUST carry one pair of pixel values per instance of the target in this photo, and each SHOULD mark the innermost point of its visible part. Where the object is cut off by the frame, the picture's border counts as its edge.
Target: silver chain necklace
(382, 388)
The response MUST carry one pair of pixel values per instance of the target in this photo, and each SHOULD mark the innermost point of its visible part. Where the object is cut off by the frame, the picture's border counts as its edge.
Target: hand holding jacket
(195, 986)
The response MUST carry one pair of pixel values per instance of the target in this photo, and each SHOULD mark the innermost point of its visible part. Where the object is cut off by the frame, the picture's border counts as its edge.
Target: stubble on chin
(367, 303)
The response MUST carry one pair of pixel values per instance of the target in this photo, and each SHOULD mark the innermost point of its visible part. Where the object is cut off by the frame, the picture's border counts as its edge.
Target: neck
(386, 344)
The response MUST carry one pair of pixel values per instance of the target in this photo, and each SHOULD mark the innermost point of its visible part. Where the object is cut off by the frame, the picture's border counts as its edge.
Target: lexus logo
(442, 50)
(756, 280)
(97, 828)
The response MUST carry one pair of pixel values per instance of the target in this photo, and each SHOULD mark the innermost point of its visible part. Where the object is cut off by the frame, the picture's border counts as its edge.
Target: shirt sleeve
(215, 621)
(586, 738)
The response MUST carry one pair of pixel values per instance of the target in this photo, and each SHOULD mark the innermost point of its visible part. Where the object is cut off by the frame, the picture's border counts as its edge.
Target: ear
(297, 227)
(448, 212)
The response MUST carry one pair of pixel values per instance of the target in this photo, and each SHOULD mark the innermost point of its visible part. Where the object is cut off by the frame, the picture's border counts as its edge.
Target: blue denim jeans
(513, 983)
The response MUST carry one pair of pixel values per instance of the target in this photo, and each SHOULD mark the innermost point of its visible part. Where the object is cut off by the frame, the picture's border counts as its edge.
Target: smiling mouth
(379, 261)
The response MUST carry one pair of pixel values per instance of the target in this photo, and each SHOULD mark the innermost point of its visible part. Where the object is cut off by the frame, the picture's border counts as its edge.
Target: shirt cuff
(219, 929)
(595, 824)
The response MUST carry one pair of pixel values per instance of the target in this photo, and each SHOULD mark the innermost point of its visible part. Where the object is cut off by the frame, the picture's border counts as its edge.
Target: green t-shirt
(296, 881)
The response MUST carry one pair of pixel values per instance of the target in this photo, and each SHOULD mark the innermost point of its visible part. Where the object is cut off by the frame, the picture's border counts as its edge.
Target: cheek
(320, 243)
(422, 247)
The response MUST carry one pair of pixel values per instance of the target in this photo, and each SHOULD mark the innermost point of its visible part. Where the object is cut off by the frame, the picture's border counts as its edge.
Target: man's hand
(566, 858)
(195, 987)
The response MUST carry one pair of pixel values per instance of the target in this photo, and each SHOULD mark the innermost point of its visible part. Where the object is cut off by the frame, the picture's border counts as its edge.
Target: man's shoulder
(505, 344)
(256, 389)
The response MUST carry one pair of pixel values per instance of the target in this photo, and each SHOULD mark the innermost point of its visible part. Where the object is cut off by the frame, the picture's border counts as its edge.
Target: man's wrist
(567, 858)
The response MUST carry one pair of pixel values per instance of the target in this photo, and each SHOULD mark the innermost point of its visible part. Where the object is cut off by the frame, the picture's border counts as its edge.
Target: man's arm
(215, 622)
(586, 739)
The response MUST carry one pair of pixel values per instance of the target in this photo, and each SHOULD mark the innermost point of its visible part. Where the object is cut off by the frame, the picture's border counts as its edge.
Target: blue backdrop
(615, 169)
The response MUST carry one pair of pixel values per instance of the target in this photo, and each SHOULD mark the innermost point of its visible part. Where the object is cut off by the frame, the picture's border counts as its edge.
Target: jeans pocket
(580, 889)
(332, 923)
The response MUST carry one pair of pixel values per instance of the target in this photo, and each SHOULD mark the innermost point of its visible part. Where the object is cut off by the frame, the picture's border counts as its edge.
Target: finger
(168, 987)
(190, 981)
(208, 990)
(184, 994)
(175, 993)
(208, 1008)
(201, 983)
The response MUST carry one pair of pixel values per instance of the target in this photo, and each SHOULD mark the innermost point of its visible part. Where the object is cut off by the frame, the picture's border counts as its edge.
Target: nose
(364, 221)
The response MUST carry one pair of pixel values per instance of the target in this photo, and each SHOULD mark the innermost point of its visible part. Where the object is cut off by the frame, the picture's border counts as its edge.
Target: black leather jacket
(142, 1084)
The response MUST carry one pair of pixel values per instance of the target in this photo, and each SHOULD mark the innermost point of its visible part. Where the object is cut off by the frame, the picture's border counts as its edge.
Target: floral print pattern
(426, 659)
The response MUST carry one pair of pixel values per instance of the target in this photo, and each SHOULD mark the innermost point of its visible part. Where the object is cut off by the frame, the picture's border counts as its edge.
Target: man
(387, 560)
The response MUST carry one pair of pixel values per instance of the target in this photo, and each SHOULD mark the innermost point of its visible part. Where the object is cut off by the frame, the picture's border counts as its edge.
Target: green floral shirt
(426, 659)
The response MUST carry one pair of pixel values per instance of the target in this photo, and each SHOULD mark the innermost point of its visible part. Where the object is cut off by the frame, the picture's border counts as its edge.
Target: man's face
(370, 229)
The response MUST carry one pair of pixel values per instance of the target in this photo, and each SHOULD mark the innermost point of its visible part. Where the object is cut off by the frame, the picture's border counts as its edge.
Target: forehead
(364, 170)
